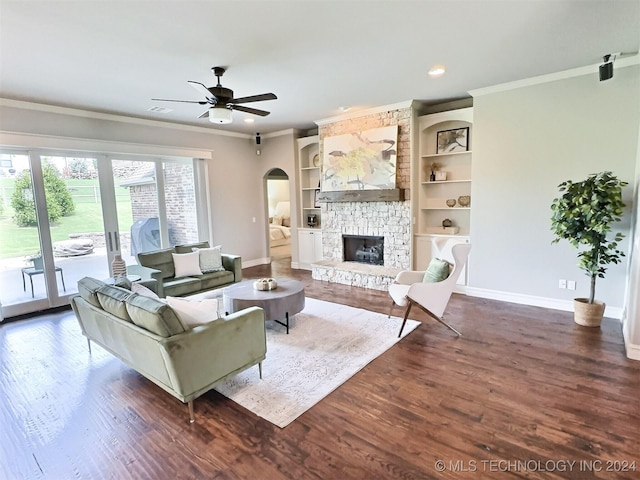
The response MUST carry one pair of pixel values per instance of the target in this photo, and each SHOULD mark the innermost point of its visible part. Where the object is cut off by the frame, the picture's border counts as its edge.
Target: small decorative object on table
(265, 284)
(118, 267)
(451, 202)
(441, 176)
(312, 220)
(446, 222)
(316, 160)
(464, 200)
(434, 168)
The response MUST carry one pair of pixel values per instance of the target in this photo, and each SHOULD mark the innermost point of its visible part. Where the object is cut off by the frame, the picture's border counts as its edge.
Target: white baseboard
(257, 261)
(295, 265)
(632, 349)
(554, 303)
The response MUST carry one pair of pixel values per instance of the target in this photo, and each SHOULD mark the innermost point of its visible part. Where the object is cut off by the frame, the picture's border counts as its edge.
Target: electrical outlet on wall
(562, 284)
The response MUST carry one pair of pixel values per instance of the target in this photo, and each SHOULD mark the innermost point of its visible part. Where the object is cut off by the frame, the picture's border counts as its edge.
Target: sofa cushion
(215, 279)
(194, 312)
(88, 289)
(210, 258)
(112, 299)
(160, 260)
(188, 247)
(186, 264)
(177, 287)
(122, 281)
(154, 315)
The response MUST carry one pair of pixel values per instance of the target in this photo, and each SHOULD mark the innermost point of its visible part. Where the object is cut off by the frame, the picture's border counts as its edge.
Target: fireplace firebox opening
(363, 249)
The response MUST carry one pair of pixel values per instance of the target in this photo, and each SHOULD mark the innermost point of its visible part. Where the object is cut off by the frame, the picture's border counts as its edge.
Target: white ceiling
(114, 56)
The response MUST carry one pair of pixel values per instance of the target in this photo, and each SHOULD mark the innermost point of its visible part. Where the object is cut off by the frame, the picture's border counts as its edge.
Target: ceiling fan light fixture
(437, 71)
(220, 115)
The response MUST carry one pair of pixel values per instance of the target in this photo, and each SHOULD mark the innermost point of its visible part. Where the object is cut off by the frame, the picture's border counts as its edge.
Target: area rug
(327, 344)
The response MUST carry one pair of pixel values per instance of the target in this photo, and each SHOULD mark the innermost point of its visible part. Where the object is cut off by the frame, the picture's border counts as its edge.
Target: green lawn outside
(21, 241)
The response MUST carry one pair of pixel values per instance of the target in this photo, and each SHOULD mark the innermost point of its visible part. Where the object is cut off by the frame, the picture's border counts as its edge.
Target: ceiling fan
(221, 100)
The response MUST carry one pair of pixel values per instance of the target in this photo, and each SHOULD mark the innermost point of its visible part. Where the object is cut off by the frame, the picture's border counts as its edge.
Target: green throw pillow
(437, 271)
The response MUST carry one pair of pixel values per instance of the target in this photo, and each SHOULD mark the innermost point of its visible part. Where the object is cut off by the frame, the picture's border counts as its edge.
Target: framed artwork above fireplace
(363, 160)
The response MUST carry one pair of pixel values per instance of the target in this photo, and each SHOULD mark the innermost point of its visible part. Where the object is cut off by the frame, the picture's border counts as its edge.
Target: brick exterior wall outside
(180, 201)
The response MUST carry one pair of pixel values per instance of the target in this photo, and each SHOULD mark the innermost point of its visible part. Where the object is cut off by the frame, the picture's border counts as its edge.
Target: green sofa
(148, 335)
(158, 265)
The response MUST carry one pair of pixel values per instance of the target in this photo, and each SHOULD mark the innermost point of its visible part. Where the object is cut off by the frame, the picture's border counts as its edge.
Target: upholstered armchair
(409, 289)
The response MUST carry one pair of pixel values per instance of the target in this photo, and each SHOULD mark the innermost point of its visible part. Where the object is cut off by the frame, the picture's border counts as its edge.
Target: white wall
(527, 141)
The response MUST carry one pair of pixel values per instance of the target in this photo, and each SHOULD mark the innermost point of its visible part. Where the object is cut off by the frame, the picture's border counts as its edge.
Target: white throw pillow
(277, 220)
(194, 312)
(186, 264)
(142, 290)
(210, 258)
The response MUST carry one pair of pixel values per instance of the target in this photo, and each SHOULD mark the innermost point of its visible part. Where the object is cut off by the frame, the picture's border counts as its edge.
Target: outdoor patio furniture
(37, 269)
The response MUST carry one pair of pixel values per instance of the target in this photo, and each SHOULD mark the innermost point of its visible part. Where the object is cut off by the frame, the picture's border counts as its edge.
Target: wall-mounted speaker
(606, 69)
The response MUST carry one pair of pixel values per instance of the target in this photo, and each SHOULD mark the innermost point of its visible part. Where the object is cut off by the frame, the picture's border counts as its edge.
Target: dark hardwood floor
(524, 393)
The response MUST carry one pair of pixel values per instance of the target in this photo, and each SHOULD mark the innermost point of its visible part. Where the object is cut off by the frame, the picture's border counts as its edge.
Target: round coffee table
(278, 304)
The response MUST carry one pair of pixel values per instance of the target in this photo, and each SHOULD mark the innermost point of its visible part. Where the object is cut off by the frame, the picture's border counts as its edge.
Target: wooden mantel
(389, 195)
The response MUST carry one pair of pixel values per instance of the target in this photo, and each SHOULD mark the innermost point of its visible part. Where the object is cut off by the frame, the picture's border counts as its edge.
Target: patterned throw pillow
(142, 290)
(437, 271)
(210, 259)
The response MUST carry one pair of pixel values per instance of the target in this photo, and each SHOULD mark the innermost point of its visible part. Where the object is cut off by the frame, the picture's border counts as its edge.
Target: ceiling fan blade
(181, 101)
(254, 111)
(254, 98)
(203, 90)
(204, 115)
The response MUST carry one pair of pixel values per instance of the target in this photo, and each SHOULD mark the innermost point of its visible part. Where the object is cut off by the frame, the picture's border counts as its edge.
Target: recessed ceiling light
(345, 108)
(437, 71)
(159, 110)
(249, 120)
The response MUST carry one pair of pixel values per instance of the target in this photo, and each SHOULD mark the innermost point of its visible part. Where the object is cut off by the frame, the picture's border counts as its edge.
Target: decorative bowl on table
(265, 284)
(464, 200)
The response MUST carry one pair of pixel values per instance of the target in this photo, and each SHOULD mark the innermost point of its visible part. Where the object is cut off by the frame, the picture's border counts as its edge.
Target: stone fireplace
(372, 215)
(388, 221)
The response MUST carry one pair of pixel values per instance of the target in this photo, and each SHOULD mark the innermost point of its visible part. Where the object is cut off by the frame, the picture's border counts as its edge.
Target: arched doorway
(279, 208)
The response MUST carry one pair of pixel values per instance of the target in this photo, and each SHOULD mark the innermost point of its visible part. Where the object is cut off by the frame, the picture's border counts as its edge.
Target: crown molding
(280, 133)
(362, 113)
(620, 62)
(42, 107)
(28, 141)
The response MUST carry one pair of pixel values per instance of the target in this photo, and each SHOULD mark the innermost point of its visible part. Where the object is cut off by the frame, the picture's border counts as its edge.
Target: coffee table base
(278, 304)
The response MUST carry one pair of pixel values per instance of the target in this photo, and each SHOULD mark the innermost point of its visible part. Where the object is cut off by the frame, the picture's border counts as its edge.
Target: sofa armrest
(233, 263)
(203, 356)
(151, 277)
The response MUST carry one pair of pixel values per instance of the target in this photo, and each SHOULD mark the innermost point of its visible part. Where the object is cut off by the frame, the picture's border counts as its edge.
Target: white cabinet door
(309, 248)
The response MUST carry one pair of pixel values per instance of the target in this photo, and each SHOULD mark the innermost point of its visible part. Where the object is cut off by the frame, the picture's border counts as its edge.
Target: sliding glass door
(63, 217)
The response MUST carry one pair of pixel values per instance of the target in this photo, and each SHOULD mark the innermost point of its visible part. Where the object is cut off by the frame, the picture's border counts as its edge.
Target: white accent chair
(409, 289)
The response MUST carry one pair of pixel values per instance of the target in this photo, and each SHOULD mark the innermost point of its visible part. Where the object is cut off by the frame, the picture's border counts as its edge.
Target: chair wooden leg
(191, 416)
(439, 319)
(406, 315)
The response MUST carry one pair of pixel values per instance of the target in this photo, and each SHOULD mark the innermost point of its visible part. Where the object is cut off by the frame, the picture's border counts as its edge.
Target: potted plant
(583, 215)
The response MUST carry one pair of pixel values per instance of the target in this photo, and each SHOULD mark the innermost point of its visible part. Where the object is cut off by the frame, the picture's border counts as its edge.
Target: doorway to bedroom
(279, 205)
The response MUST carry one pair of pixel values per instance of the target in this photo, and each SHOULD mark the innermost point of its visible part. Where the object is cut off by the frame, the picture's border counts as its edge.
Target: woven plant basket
(588, 314)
